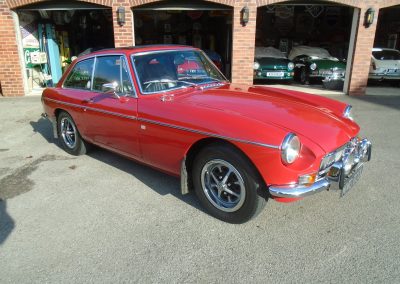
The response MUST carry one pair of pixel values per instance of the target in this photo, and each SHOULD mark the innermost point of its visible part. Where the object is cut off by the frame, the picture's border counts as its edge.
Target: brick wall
(11, 78)
(362, 54)
(11, 81)
(123, 35)
(243, 43)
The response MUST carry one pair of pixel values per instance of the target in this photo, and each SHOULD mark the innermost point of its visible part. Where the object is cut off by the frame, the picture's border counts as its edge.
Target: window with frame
(81, 75)
(112, 70)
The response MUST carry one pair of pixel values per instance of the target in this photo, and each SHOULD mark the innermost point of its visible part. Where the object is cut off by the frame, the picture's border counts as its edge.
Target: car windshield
(386, 55)
(167, 70)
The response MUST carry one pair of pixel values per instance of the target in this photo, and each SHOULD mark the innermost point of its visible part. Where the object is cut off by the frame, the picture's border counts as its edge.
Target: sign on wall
(29, 30)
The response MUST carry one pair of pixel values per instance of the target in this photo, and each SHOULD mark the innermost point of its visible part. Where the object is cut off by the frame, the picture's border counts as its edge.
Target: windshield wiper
(204, 77)
(196, 77)
(168, 81)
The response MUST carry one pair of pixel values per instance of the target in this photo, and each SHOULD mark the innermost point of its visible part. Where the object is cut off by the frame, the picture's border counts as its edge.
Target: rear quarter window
(81, 75)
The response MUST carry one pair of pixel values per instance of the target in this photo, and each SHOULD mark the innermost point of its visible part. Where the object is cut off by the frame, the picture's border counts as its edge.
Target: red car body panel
(160, 132)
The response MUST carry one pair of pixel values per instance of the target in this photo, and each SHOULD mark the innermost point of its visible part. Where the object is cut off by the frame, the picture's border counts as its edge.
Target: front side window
(81, 76)
(163, 71)
(112, 70)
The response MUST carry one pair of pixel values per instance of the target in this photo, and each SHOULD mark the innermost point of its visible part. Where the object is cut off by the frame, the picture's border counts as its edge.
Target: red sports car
(234, 145)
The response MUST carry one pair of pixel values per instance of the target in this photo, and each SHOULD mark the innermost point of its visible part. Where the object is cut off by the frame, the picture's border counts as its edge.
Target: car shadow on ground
(43, 126)
(386, 101)
(160, 182)
(6, 222)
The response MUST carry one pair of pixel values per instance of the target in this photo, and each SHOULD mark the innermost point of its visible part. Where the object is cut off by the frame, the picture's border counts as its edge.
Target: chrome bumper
(342, 175)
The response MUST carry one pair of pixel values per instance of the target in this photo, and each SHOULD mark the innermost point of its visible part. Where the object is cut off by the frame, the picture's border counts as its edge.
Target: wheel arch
(188, 161)
(57, 112)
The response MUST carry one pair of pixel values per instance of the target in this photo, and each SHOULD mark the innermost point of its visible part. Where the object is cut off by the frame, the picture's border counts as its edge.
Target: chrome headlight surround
(256, 65)
(290, 148)
(347, 113)
(290, 66)
(313, 66)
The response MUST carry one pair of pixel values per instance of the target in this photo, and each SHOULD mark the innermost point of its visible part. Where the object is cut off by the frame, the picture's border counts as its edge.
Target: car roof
(142, 48)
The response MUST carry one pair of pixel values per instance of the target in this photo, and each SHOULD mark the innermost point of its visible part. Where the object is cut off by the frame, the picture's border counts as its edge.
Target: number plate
(275, 74)
(352, 180)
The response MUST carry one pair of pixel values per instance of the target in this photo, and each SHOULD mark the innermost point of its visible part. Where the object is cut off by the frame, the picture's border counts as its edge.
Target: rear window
(386, 55)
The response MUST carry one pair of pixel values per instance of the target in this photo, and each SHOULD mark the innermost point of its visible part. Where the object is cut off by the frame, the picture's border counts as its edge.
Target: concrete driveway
(102, 218)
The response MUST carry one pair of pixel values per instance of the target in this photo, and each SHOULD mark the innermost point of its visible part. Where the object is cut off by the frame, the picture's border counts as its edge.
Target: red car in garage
(234, 145)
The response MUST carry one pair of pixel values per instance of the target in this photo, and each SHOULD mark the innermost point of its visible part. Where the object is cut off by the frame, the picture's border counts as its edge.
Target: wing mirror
(110, 88)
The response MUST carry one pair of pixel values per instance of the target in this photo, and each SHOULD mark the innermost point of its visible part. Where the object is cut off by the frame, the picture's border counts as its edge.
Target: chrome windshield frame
(176, 88)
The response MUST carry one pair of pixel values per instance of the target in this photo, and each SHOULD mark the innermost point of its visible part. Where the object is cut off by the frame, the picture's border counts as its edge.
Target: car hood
(393, 64)
(313, 117)
(273, 63)
(327, 63)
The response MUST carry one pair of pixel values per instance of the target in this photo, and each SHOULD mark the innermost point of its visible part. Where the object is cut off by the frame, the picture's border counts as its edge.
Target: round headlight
(347, 113)
(290, 66)
(290, 148)
(313, 66)
(256, 65)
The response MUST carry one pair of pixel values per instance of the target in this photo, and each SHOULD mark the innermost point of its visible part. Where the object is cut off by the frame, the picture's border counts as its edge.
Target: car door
(111, 111)
(76, 89)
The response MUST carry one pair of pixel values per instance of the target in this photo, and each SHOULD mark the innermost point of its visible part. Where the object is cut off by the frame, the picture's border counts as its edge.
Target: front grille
(332, 158)
(332, 71)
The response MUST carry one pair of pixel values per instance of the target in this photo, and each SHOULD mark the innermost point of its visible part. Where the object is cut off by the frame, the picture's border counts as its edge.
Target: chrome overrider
(335, 175)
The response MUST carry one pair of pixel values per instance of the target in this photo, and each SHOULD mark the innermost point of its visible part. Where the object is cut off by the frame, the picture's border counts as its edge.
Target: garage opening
(384, 72)
(303, 45)
(205, 25)
(53, 33)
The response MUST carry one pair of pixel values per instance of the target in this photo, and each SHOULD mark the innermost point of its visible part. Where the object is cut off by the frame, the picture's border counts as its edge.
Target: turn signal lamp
(307, 179)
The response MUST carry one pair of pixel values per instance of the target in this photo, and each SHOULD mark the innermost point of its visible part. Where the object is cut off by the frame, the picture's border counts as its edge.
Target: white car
(385, 64)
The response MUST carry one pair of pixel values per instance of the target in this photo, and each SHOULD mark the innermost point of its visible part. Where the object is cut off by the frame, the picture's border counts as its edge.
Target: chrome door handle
(88, 101)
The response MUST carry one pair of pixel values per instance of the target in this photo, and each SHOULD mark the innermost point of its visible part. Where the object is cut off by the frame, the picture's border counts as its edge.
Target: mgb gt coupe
(235, 146)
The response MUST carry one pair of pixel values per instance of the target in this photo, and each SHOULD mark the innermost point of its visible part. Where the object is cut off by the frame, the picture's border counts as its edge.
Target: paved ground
(102, 218)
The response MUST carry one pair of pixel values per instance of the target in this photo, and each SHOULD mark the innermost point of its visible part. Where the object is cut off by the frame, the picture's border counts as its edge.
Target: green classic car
(316, 63)
(272, 64)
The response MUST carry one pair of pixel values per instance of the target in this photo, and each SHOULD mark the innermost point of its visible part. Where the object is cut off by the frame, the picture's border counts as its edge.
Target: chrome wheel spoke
(68, 132)
(214, 178)
(223, 185)
(231, 192)
(224, 180)
(219, 193)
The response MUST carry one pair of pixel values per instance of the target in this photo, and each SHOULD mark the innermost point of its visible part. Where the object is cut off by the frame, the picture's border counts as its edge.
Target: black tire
(75, 147)
(248, 181)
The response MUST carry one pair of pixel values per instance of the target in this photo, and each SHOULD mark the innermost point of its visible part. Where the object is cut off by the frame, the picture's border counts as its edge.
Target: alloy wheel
(223, 185)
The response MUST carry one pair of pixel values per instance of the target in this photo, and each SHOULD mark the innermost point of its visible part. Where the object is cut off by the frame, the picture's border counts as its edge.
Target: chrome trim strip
(165, 51)
(162, 51)
(208, 133)
(94, 109)
(346, 112)
(169, 125)
(93, 70)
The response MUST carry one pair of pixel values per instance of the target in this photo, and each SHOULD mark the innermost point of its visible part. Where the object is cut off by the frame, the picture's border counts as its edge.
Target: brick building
(240, 38)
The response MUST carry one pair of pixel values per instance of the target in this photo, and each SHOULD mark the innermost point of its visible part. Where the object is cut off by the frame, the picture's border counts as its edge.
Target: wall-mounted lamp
(121, 15)
(369, 17)
(244, 15)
